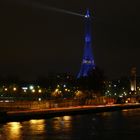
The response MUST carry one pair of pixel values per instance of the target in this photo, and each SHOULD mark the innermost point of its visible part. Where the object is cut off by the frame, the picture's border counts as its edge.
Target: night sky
(36, 41)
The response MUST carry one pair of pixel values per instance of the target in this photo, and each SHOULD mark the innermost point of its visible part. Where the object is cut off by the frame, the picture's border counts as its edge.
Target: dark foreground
(117, 125)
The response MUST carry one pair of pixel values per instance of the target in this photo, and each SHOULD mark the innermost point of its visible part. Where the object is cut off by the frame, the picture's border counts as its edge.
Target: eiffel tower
(88, 60)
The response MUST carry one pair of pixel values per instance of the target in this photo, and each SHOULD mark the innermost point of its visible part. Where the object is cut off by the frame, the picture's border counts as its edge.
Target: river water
(119, 125)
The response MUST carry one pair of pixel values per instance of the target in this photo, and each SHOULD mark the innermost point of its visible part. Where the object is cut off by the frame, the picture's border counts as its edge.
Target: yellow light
(37, 121)
(37, 125)
(56, 90)
(14, 130)
(132, 88)
(39, 90)
(79, 93)
(126, 101)
(24, 90)
(5, 89)
(58, 86)
(66, 89)
(33, 91)
(14, 89)
(67, 118)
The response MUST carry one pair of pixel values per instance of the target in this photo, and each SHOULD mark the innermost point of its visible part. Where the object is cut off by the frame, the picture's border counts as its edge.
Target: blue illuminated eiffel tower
(88, 60)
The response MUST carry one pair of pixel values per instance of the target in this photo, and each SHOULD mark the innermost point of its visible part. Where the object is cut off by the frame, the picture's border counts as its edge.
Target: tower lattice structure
(88, 59)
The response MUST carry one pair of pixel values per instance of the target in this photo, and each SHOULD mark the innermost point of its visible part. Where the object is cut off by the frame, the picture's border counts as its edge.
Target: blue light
(87, 39)
(87, 14)
(88, 61)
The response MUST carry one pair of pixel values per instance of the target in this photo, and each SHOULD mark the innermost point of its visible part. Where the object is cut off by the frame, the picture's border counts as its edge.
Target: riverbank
(53, 112)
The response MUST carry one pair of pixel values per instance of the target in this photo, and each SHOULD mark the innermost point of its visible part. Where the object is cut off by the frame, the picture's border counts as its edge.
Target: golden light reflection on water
(64, 123)
(125, 112)
(37, 125)
(106, 114)
(37, 121)
(67, 118)
(13, 130)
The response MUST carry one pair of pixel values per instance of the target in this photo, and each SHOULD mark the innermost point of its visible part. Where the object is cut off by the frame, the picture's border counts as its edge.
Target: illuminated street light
(56, 90)
(14, 89)
(33, 90)
(6, 89)
(25, 89)
(39, 90)
(31, 87)
(66, 89)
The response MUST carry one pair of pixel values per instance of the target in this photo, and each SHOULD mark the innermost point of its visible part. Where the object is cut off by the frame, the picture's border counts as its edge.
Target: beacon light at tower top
(87, 14)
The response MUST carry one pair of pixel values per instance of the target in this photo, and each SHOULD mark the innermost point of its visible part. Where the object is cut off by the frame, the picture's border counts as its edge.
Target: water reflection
(13, 131)
(37, 126)
(62, 123)
(67, 118)
(125, 112)
(105, 114)
(109, 125)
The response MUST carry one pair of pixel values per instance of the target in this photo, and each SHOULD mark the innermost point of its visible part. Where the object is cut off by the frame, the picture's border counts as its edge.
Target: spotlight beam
(45, 7)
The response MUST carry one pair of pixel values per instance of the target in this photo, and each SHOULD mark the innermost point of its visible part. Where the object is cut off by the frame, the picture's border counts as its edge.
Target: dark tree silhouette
(94, 81)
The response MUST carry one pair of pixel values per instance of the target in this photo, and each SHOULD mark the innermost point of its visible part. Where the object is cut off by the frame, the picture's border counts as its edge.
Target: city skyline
(36, 41)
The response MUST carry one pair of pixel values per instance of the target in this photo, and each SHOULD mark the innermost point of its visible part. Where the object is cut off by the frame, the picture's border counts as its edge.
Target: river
(118, 125)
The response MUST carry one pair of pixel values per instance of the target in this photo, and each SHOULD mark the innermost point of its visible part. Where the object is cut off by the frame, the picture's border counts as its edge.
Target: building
(133, 87)
(88, 60)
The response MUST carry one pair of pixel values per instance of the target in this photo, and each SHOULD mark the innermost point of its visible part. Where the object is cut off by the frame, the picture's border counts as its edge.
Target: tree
(94, 81)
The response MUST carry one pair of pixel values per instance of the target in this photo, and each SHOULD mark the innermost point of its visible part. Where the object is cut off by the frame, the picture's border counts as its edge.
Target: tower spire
(87, 61)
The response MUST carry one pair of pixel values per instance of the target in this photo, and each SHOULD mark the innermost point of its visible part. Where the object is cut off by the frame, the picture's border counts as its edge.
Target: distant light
(39, 90)
(132, 88)
(5, 89)
(66, 89)
(24, 88)
(33, 90)
(79, 93)
(14, 89)
(125, 93)
(7, 101)
(56, 90)
(87, 15)
(64, 85)
(58, 86)
(31, 87)
(39, 99)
